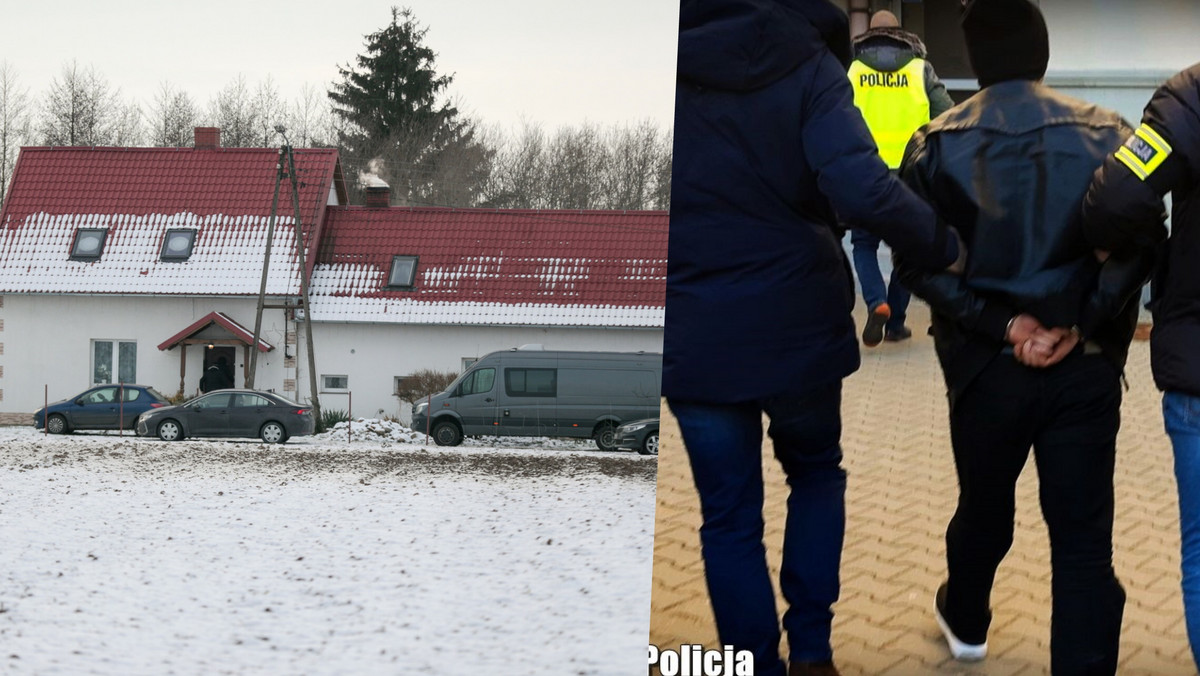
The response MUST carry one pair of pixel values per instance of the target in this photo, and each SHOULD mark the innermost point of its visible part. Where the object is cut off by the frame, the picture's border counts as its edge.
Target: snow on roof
(473, 266)
(486, 266)
(137, 195)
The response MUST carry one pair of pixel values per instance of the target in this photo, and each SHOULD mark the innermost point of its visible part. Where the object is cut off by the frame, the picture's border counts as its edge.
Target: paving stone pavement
(901, 494)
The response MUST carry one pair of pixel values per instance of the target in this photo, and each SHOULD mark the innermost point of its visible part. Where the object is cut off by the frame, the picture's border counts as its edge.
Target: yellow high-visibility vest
(893, 104)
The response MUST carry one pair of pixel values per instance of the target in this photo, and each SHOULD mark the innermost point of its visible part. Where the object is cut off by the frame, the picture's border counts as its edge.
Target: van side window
(479, 382)
(531, 382)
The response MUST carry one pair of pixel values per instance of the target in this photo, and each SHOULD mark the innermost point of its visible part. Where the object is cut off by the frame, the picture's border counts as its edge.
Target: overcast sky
(557, 62)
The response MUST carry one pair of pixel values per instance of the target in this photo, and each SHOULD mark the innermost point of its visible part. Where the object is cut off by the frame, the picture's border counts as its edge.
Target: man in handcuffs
(1032, 337)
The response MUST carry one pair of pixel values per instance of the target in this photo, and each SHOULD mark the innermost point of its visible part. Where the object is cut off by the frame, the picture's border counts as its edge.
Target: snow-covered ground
(322, 556)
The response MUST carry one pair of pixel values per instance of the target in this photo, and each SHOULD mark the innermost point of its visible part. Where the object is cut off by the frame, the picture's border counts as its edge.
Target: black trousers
(1069, 415)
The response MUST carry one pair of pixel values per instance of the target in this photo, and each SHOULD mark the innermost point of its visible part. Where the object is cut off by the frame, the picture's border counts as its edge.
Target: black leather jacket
(1008, 169)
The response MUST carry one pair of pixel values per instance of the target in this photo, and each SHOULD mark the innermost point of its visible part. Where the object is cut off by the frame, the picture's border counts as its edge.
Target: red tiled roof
(550, 260)
(476, 266)
(137, 193)
(220, 319)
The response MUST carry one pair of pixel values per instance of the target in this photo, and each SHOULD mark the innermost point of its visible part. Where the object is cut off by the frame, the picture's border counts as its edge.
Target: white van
(533, 392)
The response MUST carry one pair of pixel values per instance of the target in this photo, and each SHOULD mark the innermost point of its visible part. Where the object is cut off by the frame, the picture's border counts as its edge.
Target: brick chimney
(378, 194)
(208, 138)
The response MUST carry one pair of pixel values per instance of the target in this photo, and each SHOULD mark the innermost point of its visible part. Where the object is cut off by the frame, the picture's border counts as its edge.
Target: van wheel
(446, 434)
(650, 445)
(605, 436)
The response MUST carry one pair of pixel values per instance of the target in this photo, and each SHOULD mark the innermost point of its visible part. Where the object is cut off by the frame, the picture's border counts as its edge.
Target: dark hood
(888, 49)
(742, 45)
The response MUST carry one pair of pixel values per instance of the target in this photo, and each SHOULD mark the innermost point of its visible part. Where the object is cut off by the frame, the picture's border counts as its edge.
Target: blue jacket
(770, 153)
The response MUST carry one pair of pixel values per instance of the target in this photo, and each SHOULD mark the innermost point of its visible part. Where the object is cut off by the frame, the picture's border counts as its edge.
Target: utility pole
(262, 287)
(308, 336)
(286, 168)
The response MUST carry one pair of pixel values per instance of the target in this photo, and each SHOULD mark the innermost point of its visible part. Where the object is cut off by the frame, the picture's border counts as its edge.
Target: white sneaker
(964, 652)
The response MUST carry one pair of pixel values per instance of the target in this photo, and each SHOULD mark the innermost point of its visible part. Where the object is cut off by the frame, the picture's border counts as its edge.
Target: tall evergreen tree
(397, 120)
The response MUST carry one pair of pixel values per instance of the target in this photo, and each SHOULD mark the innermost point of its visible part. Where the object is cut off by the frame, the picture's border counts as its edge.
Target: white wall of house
(1117, 52)
(371, 356)
(1122, 36)
(47, 341)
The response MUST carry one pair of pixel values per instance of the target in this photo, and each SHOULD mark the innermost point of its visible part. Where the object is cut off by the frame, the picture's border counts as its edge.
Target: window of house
(335, 382)
(89, 244)
(177, 245)
(397, 383)
(467, 362)
(114, 361)
(403, 274)
(530, 382)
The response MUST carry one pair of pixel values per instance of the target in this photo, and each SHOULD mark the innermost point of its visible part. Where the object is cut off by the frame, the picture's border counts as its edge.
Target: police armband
(1143, 152)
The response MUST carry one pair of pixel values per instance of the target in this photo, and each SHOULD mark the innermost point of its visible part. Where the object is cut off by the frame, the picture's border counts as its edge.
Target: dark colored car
(230, 413)
(639, 435)
(103, 407)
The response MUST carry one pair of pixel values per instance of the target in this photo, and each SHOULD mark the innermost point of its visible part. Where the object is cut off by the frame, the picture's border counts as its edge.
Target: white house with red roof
(144, 265)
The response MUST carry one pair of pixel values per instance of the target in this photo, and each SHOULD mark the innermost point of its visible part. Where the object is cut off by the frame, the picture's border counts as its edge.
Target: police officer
(769, 154)
(897, 91)
(1123, 214)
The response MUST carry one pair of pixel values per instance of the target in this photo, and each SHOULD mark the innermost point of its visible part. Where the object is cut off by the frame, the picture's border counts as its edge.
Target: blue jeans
(1181, 416)
(724, 444)
(874, 291)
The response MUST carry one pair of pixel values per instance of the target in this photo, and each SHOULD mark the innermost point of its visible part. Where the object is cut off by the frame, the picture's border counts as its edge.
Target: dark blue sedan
(104, 407)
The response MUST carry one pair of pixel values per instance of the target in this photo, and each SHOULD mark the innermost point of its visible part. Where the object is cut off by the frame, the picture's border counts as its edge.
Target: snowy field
(322, 556)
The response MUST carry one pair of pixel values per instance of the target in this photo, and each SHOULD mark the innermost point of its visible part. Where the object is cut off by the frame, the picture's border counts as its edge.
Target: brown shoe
(813, 669)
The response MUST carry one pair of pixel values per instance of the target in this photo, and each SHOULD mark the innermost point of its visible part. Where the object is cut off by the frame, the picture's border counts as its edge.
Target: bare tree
(16, 122)
(518, 173)
(575, 168)
(621, 167)
(127, 128)
(233, 110)
(269, 111)
(173, 117)
(311, 120)
(660, 198)
(81, 109)
(628, 176)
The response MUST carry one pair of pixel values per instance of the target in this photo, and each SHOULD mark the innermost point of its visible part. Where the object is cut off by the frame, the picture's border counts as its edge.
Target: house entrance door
(215, 355)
